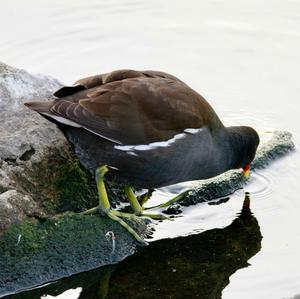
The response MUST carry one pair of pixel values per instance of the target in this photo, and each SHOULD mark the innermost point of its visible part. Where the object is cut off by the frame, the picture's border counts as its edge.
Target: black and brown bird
(148, 127)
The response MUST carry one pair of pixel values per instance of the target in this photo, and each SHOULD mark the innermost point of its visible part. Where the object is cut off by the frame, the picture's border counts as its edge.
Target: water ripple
(260, 186)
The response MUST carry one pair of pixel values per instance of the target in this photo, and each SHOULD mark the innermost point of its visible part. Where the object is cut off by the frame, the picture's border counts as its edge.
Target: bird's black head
(243, 143)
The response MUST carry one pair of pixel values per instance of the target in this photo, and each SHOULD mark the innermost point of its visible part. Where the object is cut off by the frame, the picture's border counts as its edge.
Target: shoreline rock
(40, 178)
(25, 138)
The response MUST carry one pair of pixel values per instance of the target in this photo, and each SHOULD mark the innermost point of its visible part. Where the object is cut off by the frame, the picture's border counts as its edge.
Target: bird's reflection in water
(196, 266)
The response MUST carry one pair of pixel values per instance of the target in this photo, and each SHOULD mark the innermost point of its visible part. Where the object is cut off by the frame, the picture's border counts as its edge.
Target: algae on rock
(38, 251)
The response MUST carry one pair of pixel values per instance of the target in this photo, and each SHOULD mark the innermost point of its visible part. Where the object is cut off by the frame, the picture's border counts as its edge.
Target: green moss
(77, 191)
(76, 187)
(42, 250)
(25, 239)
(71, 230)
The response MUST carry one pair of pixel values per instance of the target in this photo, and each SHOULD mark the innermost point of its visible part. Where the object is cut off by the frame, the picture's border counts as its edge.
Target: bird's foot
(137, 208)
(117, 216)
(105, 209)
(155, 216)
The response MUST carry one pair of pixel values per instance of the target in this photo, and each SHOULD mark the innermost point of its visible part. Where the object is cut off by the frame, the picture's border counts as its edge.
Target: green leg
(171, 201)
(137, 209)
(103, 197)
(135, 205)
(104, 205)
(102, 194)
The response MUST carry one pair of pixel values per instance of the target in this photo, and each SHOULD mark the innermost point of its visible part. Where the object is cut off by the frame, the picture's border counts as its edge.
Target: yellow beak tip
(247, 174)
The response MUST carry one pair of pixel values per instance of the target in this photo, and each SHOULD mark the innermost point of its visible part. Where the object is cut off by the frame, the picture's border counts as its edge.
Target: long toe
(156, 216)
(116, 215)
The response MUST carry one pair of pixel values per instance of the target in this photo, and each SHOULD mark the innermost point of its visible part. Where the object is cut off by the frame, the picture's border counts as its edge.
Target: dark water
(243, 57)
(196, 266)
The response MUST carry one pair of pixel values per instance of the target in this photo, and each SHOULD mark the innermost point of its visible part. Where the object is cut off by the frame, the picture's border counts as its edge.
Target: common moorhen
(149, 128)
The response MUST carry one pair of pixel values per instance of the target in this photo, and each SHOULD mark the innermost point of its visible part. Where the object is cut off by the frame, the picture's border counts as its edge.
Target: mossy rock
(43, 250)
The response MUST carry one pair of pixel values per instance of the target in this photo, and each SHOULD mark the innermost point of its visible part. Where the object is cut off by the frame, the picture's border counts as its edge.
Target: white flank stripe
(150, 146)
(192, 131)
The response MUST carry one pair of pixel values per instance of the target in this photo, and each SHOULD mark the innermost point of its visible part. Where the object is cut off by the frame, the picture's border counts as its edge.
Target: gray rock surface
(25, 139)
(22, 131)
(39, 179)
(14, 207)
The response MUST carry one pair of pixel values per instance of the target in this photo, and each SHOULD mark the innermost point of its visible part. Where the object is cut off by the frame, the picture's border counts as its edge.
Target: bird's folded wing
(130, 107)
(97, 80)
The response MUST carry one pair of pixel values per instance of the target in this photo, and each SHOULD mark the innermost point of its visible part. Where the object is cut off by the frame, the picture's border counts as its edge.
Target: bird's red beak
(246, 170)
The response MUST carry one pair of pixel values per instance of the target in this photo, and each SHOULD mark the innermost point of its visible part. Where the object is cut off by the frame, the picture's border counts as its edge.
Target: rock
(274, 145)
(14, 207)
(35, 158)
(36, 252)
(25, 135)
(26, 139)
(40, 178)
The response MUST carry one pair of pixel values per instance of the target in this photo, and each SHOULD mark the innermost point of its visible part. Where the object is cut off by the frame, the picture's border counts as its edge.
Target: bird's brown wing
(131, 107)
(94, 81)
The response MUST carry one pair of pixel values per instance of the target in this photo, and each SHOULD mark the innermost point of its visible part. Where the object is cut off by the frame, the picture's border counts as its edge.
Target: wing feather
(132, 107)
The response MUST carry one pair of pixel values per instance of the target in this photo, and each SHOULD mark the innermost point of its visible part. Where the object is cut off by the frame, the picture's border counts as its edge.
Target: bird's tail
(40, 107)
